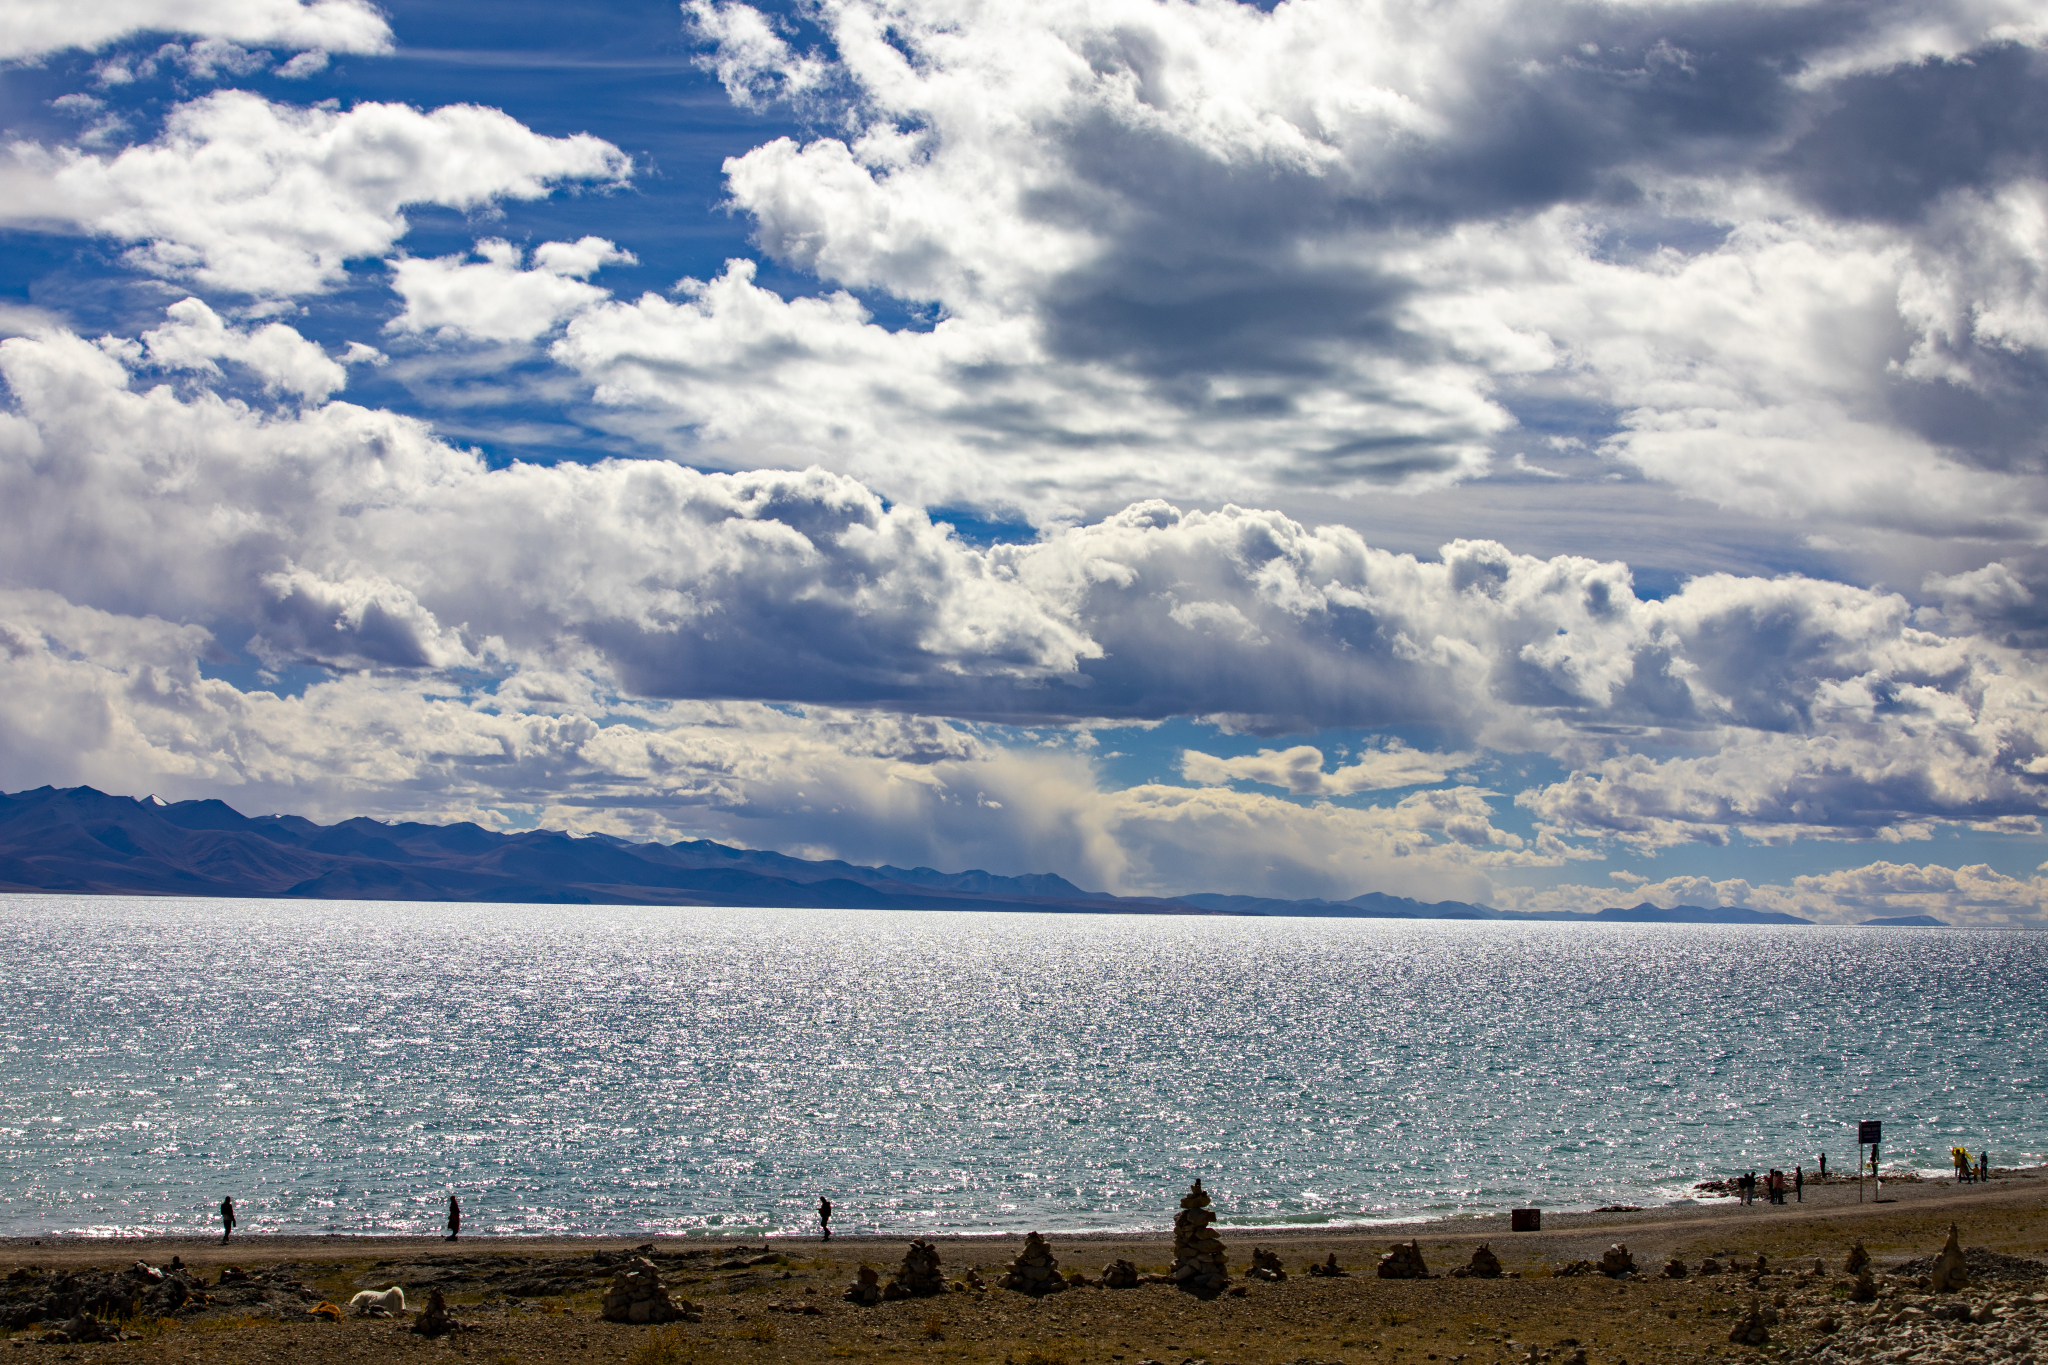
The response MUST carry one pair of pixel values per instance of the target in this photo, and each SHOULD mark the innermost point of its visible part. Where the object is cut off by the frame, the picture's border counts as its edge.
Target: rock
(1484, 1265)
(1951, 1272)
(1034, 1271)
(1198, 1265)
(1120, 1275)
(437, 1321)
(147, 1273)
(1266, 1266)
(1820, 1267)
(1403, 1261)
(920, 1277)
(81, 1330)
(1328, 1269)
(866, 1289)
(971, 1282)
(636, 1296)
(1865, 1288)
(1615, 1262)
(1674, 1269)
(1751, 1331)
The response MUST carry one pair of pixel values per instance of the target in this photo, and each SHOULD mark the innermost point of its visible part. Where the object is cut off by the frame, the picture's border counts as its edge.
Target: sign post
(1870, 1131)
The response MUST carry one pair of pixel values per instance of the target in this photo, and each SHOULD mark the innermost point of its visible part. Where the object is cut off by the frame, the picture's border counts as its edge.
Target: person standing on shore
(1799, 1184)
(454, 1217)
(227, 1219)
(825, 1216)
(1823, 1165)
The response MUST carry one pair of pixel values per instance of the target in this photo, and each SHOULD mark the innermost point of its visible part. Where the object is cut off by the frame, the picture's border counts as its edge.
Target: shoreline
(1835, 1200)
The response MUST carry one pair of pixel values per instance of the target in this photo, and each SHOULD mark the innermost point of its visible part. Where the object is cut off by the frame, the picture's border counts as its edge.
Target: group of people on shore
(1773, 1184)
(1970, 1170)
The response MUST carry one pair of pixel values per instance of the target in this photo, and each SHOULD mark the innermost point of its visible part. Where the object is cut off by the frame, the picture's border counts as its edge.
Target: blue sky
(1547, 454)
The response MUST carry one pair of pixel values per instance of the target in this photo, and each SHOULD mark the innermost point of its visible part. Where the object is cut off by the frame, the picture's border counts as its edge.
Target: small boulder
(1484, 1265)
(1710, 1266)
(1120, 1275)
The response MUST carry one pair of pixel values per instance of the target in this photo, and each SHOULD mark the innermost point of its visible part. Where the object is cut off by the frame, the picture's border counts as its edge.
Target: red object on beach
(1525, 1220)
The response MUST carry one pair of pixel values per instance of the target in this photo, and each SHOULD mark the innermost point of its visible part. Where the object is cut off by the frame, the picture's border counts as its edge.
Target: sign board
(1870, 1130)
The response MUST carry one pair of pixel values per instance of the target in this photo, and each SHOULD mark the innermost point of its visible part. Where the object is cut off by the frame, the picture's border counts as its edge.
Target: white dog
(371, 1304)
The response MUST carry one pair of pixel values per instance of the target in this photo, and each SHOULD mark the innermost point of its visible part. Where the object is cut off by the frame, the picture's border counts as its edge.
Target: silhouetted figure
(454, 1217)
(227, 1219)
(1799, 1184)
(825, 1216)
(1823, 1165)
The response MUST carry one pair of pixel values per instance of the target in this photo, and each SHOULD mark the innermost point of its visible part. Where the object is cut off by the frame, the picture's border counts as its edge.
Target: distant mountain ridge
(82, 840)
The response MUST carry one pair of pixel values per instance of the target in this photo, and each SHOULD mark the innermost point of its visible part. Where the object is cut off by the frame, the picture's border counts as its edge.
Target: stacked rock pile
(1856, 1261)
(1865, 1288)
(920, 1277)
(1034, 1271)
(1328, 1269)
(1404, 1262)
(1266, 1266)
(437, 1321)
(970, 1282)
(1615, 1262)
(1484, 1265)
(1120, 1275)
(637, 1296)
(1710, 1266)
(1674, 1269)
(1197, 1247)
(866, 1289)
(1951, 1271)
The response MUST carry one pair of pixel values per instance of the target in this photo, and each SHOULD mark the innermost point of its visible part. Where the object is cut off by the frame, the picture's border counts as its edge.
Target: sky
(1552, 455)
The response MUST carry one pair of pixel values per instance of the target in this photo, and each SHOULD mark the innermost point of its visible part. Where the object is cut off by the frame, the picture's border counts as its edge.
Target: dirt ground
(536, 1300)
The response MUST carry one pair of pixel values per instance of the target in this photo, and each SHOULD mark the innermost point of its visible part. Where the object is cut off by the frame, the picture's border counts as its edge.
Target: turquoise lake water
(341, 1067)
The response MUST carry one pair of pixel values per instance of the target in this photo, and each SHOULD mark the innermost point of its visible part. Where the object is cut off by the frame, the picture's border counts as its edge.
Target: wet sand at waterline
(753, 1295)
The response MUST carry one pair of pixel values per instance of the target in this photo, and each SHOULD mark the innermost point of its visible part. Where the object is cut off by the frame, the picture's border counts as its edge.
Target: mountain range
(80, 840)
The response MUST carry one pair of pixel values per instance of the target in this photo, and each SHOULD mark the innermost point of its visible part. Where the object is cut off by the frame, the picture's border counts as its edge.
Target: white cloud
(241, 194)
(1300, 769)
(31, 28)
(1238, 254)
(1977, 895)
(196, 336)
(493, 298)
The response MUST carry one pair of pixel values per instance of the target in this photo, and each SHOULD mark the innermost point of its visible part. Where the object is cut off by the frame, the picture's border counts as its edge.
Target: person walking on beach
(454, 1217)
(1799, 1184)
(825, 1216)
(227, 1219)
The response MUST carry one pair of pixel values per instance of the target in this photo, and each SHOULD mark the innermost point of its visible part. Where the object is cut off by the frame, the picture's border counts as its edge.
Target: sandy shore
(754, 1301)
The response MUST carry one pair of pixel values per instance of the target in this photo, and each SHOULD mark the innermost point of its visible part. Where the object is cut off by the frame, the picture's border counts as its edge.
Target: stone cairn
(1403, 1261)
(1484, 1265)
(437, 1320)
(1865, 1288)
(1615, 1262)
(1674, 1269)
(866, 1289)
(1034, 1271)
(1198, 1264)
(1120, 1275)
(1856, 1261)
(637, 1296)
(1328, 1269)
(1951, 1272)
(1266, 1266)
(1710, 1266)
(920, 1277)
(1754, 1329)
(970, 1282)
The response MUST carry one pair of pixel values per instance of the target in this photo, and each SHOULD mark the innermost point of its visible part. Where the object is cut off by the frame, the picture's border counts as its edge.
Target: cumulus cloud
(31, 28)
(1300, 769)
(1237, 253)
(492, 298)
(241, 194)
(354, 538)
